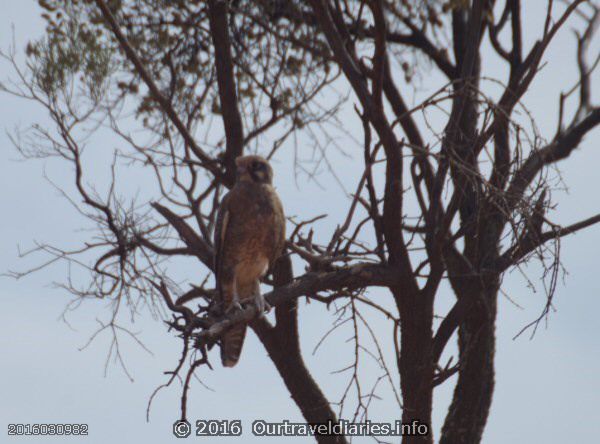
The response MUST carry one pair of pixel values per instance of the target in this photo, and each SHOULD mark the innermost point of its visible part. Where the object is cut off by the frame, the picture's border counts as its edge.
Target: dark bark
(232, 121)
(472, 398)
(415, 362)
(473, 392)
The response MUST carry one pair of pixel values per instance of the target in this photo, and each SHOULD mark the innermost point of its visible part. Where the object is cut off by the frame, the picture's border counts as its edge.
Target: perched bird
(249, 237)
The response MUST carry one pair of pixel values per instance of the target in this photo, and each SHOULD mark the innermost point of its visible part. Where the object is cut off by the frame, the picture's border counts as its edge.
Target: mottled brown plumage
(249, 237)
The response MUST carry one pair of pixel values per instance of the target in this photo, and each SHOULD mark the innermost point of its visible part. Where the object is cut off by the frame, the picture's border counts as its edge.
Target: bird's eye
(258, 166)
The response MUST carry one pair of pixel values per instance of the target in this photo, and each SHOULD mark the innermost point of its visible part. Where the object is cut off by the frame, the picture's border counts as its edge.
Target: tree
(463, 202)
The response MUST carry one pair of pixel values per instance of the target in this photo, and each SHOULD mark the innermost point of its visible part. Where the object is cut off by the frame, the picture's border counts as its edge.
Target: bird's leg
(234, 305)
(259, 301)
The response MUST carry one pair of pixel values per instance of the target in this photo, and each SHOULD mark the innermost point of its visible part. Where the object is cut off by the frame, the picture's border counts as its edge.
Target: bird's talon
(234, 307)
(261, 305)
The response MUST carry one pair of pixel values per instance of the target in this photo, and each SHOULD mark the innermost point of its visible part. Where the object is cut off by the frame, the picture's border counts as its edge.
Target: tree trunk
(416, 362)
(472, 399)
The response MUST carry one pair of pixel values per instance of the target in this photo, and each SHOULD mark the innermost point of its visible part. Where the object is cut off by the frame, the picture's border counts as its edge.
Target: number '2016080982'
(47, 429)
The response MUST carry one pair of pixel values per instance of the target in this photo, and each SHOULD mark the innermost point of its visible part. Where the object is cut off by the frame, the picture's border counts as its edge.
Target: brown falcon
(249, 237)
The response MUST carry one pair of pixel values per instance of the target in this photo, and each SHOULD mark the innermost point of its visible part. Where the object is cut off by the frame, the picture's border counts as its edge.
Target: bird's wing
(219, 239)
(232, 339)
(279, 227)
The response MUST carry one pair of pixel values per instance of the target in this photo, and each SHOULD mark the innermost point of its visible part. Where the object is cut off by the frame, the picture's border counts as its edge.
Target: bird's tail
(231, 344)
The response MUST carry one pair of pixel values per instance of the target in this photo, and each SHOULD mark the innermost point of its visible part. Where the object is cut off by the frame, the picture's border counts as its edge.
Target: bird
(249, 237)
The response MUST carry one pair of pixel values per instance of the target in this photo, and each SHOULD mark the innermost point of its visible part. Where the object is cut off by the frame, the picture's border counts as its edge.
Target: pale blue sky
(547, 389)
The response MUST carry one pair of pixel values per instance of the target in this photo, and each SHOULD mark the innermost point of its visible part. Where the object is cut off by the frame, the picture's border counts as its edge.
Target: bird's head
(254, 169)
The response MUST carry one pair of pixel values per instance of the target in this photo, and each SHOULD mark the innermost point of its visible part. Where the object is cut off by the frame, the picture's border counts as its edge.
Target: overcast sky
(547, 389)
